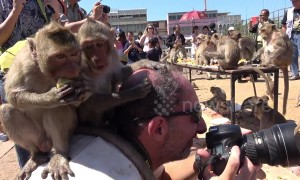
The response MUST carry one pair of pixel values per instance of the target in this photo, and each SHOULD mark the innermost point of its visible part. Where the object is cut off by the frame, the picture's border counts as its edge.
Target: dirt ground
(9, 166)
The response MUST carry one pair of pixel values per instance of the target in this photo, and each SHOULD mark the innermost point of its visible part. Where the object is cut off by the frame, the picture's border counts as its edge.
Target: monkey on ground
(39, 116)
(227, 52)
(101, 66)
(278, 52)
(262, 111)
(218, 102)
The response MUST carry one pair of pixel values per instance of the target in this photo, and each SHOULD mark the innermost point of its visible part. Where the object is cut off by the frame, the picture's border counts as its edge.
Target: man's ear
(158, 128)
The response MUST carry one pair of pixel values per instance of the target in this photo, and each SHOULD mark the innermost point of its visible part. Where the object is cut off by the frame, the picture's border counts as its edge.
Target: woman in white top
(150, 32)
(194, 35)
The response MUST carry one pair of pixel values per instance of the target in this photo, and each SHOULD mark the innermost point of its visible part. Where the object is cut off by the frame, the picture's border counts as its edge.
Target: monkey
(39, 116)
(262, 111)
(218, 102)
(227, 52)
(177, 52)
(101, 65)
(278, 52)
(246, 45)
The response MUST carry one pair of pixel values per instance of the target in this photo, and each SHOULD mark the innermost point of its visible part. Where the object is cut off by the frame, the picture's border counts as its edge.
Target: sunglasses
(196, 114)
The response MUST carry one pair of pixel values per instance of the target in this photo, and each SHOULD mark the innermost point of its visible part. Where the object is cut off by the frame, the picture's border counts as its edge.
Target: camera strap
(201, 166)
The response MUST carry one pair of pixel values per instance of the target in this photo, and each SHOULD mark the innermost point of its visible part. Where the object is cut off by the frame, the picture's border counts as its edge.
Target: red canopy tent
(192, 15)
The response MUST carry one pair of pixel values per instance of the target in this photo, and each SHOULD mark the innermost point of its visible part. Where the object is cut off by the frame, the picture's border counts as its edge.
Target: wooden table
(234, 74)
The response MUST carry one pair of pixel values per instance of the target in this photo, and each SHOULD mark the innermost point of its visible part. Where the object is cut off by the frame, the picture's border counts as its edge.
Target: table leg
(233, 79)
(276, 77)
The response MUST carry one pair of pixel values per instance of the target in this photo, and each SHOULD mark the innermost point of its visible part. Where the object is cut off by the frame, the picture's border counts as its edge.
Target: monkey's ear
(31, 42)
(265, 98)
(274, 26)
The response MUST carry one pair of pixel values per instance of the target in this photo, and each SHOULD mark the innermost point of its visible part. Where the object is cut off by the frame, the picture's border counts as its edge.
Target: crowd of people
(156, 137)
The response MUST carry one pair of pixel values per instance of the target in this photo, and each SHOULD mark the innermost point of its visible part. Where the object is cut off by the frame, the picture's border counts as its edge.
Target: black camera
(274, 146)
(106, 9)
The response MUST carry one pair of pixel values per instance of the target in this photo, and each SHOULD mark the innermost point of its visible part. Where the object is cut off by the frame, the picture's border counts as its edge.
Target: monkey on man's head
(40, 116)
(102, 66)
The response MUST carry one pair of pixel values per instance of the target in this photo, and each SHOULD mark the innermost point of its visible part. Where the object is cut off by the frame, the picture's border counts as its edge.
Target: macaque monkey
(218, 102)
(246, 45)
(204, 44)
(278, 52)
(263, 112)
(100, 65)
(227, 52)
(40, 116)
(177, 52)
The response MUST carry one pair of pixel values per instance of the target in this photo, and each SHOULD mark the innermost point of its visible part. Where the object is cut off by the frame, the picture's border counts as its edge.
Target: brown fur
(298, 100)
(204, 44)
(38, 115)
(246, 45)
(278, 52)
(107, 78)
(263, 112)
(178, 51)
(227, 52)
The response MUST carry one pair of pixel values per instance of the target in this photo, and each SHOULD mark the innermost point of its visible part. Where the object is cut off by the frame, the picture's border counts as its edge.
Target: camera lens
(273, 146)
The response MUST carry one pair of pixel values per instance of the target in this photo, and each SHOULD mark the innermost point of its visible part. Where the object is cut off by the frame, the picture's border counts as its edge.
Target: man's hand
(231, 171)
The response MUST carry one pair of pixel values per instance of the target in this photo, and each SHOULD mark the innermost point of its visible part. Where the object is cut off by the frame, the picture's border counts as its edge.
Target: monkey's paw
(32, 164)
(58, 167)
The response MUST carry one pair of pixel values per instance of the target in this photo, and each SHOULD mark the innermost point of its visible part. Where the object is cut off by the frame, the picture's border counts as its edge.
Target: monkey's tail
(267, 81)
(286, 89)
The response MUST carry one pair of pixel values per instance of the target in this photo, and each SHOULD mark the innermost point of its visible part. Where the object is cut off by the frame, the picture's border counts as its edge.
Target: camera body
(106, 9)
(276, 145)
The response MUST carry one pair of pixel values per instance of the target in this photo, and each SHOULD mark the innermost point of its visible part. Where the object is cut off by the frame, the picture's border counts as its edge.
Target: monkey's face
(97, 53)
(266, 31)
(65, 63)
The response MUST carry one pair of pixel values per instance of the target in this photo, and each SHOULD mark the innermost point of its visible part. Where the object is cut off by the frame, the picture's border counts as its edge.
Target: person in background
(73, 16)
(120, 43)
(230, 30)
(212, 29)
(194, 35)
(290, 25)
(175, 37)
(150, 32)
(155, 51)
(132, 49)
(205, 30)
(254, 28)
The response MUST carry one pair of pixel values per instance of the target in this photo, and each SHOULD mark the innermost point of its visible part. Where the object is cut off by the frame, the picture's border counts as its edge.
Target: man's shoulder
(96, 158)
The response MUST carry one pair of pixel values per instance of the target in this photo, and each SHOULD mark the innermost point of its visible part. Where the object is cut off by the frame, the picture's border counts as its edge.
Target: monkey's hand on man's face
(136, 92)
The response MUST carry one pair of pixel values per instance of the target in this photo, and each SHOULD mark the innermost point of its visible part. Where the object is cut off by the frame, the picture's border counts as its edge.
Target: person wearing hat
(230, 30)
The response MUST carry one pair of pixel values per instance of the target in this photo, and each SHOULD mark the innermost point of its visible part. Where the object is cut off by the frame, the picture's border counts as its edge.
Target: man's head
(165, 120)
(264, 15)
(296, 3)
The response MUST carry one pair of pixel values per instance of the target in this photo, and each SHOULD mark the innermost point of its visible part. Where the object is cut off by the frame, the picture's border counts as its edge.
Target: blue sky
(158, 9)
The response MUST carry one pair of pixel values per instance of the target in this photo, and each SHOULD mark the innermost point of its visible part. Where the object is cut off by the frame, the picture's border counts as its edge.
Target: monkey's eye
(99, 44)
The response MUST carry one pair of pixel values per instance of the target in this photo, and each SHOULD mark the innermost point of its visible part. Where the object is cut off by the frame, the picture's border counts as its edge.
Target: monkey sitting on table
(278, 52)
(101, 65)
(39, 116)
(227, 52)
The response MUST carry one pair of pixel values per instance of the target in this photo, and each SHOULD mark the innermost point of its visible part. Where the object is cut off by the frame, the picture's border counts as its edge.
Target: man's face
(264, 16)
(296, 3)
(183, 129)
